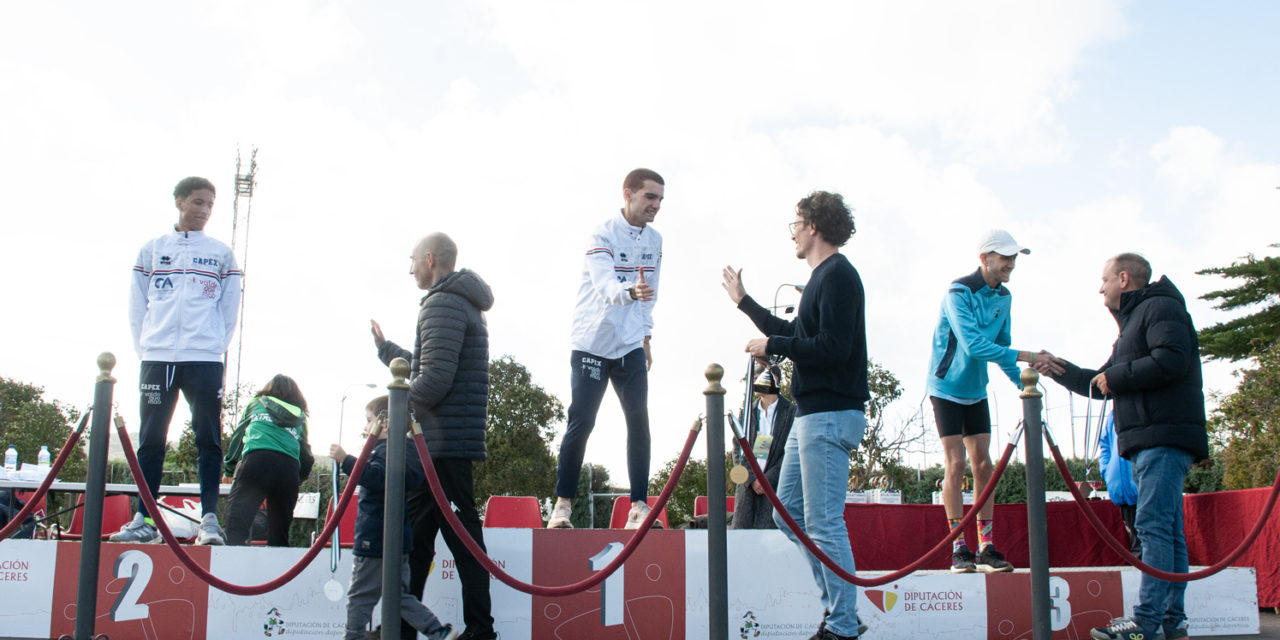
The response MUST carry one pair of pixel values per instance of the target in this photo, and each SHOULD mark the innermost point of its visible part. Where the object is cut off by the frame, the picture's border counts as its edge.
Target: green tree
(597, 478)
(28, 421)
(1243, 337)
(1246, 425)
(692, 483)
(521, 428)
(878, 452)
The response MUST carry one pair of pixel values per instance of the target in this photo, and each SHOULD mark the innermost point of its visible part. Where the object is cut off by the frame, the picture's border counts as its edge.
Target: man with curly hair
(827, 342)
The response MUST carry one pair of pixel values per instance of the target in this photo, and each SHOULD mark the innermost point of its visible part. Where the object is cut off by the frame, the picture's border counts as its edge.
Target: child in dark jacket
(366, 571)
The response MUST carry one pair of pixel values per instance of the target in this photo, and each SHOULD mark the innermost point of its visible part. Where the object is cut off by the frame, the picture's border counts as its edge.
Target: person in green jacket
(269, 457)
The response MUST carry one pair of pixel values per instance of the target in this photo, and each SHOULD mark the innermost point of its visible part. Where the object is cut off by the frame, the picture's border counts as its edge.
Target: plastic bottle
(43, 459)
(11, 460)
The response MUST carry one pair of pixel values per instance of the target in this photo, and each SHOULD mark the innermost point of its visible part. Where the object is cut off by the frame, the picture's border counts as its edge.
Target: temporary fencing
(1123, 549)
(144, 493)
(888, 577)
(54, 468)
(424, 457)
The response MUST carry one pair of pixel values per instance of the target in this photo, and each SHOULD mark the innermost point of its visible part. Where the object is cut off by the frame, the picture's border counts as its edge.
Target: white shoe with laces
(635, 517)
(560, 515)
(210, 533)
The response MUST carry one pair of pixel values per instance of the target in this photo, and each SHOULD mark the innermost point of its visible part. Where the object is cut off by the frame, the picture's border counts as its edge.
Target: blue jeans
(591, 376)
(812, 485)
(1159, 474)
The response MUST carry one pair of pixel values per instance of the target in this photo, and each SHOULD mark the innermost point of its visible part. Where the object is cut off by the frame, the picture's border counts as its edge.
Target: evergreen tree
(1245, 336)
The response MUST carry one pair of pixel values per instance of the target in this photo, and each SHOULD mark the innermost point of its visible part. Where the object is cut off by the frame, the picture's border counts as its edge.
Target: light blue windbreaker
(973, 329)
(1116, 471)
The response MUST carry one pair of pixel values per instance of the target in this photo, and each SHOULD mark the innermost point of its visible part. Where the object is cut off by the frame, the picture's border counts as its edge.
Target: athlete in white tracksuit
(183, 303)
(612, 324)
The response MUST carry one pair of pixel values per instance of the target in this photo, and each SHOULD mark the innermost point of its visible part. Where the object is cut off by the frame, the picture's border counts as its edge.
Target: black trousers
(201, 383)
(269, 475)
(426, 519)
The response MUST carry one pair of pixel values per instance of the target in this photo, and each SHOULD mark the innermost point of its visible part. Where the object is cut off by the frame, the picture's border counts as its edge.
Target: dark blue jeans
(590, 376)
(1159, 474)
(201, 384)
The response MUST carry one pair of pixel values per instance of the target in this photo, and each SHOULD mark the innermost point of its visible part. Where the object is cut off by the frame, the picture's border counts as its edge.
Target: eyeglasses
(796, 225)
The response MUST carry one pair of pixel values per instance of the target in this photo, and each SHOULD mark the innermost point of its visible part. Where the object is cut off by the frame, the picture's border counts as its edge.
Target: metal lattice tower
(245, 182)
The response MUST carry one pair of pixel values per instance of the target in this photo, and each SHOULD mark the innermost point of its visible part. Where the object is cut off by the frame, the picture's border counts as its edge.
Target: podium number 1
(611, 597)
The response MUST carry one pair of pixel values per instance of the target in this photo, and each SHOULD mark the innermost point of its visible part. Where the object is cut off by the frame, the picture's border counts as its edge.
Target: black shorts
(955, 419)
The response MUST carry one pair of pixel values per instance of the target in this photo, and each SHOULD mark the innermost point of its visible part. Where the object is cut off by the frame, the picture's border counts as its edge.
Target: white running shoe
(210, 533)
(136, 531)
(635, 517)
(560, 515)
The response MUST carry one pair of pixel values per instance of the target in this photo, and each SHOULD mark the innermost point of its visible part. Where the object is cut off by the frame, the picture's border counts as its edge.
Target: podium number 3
(611, 598)
(136, 566)
(1060, 611)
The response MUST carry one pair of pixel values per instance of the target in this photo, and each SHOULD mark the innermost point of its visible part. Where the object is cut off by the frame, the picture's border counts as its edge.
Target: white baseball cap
(999, 241)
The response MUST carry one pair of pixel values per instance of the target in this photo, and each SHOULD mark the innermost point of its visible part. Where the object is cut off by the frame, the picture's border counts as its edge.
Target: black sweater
(827, 341)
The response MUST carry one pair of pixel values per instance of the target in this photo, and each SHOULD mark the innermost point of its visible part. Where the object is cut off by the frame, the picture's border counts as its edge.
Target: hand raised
(376, 330)
(733, 284)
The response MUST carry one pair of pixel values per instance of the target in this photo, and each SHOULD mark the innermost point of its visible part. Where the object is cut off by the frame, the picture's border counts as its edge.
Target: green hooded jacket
(275, 425)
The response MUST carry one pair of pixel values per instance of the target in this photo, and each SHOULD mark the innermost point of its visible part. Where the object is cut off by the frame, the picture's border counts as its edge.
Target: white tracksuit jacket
(184, 298)
(606, 322)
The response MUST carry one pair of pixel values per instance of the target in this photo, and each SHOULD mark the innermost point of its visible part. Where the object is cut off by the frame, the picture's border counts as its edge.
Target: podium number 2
(611, 598)
(136, 566)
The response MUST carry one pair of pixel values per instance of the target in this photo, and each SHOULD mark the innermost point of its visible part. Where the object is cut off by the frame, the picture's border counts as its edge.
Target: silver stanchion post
(1037, 528)
(393, 518)
(717, 549)
(94, 491)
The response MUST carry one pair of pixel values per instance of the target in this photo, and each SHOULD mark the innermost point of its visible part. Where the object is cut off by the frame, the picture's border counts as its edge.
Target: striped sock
(984, 533)
(959, 541)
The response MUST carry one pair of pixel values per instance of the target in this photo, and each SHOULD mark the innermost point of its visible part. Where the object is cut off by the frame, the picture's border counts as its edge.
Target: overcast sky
(1084, 128)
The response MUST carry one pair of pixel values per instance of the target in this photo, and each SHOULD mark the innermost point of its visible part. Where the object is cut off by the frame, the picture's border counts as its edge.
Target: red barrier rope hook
(1123, 550)
(424, 456)
(54, 468)
(750, 457)
(144, 493)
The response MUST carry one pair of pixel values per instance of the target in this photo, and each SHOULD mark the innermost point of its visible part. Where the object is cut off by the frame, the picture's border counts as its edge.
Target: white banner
(26, 587)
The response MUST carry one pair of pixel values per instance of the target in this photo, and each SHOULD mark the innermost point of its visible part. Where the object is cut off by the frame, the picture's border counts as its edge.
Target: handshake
(1044, 362)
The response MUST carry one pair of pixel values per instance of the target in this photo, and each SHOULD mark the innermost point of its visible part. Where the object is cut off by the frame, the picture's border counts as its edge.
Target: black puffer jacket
(449, 388)
(1153, 373)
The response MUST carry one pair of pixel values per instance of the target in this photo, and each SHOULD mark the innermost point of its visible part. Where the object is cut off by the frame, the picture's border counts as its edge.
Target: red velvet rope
(750, 457)
(54, 468)
(1123, 550)
(424, 456)
(144, 493)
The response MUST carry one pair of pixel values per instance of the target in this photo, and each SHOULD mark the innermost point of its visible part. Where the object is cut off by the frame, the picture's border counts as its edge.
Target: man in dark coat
(768, 426)
(449, 397)
(1153, 377)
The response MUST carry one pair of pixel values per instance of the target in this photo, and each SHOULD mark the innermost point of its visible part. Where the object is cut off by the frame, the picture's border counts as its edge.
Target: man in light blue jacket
(973, 330)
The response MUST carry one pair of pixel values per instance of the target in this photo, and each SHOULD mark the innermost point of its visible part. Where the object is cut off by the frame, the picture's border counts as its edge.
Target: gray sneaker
(209, 532)
(136, 531)
(1176, 633)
